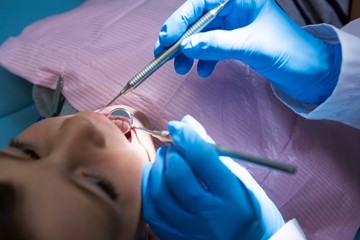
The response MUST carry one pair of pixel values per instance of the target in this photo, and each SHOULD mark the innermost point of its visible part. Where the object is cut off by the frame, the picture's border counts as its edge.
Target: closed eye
(106, 186)
(25, 148)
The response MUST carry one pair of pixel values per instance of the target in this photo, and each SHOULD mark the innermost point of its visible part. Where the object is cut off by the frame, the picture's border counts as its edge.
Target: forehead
(44, 126)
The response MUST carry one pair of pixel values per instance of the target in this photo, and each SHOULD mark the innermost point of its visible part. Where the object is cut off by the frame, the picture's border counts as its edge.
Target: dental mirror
(124, 120)
(122, 113)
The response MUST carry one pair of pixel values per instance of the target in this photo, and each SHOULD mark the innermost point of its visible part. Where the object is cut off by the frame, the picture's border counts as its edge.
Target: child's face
(79, 177)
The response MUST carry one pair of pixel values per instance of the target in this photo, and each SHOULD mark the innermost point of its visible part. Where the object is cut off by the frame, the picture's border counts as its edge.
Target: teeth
(123, 126)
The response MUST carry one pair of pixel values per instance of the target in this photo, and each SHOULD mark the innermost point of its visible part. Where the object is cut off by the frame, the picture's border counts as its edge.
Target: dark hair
(10, 224)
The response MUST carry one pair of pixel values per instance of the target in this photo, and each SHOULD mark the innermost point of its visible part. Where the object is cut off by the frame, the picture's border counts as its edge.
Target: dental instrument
(126, 117)
(155, 64)
(58, 99)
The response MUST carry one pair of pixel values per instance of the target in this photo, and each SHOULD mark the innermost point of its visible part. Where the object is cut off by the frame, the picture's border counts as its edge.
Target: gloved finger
(205, 67)
(212, 45)
(184, 184)
(202, 158)
(182, 64)
(179, 22)
(159, 205)
(218, 23)
(182, 18)
(219, 45)
(163, 229)
(158, 49)
(197, 127)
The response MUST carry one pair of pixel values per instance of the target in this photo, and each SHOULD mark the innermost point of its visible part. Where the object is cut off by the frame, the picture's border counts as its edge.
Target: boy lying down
(80, 177)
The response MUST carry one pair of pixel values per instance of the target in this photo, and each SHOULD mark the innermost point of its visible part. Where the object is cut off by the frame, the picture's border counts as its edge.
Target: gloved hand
(189, 193)
(260, 34)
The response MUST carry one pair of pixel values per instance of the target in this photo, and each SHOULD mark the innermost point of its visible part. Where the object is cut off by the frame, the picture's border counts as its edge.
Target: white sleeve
(344, 103)
(291, 230)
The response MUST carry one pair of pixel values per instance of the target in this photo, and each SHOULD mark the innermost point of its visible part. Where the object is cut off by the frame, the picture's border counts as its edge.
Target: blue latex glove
(260, 34)
(188, 193)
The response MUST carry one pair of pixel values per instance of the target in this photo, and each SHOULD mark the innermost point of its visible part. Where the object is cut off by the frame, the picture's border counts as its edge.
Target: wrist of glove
(261, 35)
(189, 193)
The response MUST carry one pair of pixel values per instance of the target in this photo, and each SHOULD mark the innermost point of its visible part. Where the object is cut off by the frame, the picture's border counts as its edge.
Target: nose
(78, 138)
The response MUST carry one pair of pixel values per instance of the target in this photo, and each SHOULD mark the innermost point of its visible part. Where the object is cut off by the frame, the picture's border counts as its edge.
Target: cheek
(126, 170)
(54, 210)
(127, 174)
(146, 145)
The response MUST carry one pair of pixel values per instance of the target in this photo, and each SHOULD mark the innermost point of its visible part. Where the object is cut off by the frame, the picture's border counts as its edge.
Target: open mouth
(123, 124)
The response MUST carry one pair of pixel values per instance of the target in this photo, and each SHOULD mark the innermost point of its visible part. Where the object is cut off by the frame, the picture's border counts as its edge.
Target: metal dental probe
(155, 64)
(164, 136)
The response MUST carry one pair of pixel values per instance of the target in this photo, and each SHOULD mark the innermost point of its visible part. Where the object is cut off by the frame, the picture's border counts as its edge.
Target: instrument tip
(122, 92)
(113, 100)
